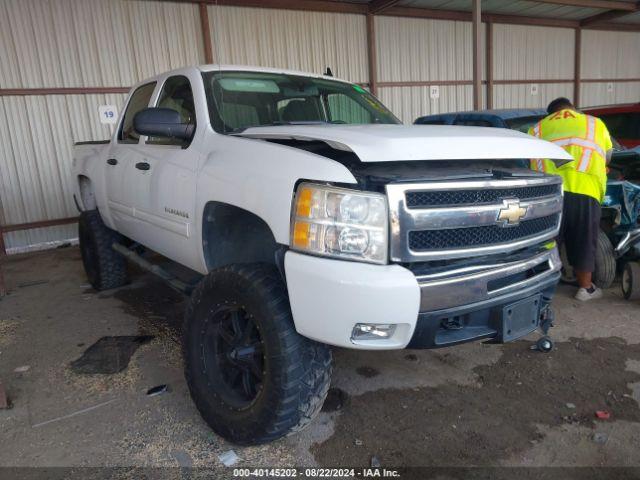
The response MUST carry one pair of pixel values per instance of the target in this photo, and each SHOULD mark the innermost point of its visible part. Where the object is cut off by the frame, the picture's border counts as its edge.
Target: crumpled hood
(388, 143)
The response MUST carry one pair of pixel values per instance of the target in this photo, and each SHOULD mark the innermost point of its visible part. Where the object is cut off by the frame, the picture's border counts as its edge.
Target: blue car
(621, 206)
(513, 118)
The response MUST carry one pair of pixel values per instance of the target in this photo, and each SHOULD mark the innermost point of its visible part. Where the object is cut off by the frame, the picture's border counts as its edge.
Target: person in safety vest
(584, 180)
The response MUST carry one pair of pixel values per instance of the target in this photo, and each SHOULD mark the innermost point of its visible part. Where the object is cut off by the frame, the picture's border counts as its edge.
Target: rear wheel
(605, 269)
(251, 375)
(105, 268)
(631, 281)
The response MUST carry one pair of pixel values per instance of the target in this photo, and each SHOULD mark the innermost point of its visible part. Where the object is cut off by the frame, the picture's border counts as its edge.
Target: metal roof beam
(608, 16)
(379, 6)
(605, 4)
(305, 5)
(414, 12)
(616, 27)
(486, 17)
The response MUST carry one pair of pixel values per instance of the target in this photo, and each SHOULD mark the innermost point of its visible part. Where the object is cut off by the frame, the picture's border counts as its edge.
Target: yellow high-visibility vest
(587, 140)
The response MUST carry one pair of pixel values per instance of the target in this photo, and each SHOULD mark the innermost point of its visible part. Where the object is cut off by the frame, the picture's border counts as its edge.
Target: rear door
(119, 185)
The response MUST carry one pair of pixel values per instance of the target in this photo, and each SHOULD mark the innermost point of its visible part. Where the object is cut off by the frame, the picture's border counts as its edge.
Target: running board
(173, 281)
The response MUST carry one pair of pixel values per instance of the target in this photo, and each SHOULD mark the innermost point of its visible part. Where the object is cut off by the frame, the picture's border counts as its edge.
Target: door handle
(112, 161)
(143, 166)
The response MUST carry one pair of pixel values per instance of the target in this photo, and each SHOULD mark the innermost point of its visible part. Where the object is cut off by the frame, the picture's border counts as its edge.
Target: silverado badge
(511, 213)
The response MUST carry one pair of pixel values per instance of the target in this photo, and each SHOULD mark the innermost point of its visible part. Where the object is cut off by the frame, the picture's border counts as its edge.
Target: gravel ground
(473, 405)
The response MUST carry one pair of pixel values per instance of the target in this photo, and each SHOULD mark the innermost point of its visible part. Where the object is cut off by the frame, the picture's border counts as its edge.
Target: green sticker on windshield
(359, 89)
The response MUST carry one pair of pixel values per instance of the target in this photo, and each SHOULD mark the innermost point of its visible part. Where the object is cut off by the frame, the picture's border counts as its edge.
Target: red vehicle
(623, 121)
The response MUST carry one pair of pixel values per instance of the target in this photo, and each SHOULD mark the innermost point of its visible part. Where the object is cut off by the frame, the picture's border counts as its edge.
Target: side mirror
(162, 122)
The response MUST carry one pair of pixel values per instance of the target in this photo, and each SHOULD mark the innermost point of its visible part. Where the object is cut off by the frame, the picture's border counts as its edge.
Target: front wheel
(253, 378)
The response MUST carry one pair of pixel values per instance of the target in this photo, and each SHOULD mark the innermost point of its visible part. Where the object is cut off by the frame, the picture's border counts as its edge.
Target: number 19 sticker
(108, 114)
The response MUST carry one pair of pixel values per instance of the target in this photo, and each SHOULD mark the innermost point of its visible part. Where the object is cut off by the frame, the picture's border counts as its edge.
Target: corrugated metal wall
(422, 50)
(115, 43)
(409, 103)
(537, 53)
(610, 55)
(73, 43)
(36, 138)
(308, 41)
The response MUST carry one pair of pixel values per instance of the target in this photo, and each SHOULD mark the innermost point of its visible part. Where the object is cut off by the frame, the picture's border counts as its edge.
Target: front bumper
(329, 297)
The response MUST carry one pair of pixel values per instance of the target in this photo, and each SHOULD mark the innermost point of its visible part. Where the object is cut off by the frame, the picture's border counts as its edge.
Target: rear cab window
(139, 100)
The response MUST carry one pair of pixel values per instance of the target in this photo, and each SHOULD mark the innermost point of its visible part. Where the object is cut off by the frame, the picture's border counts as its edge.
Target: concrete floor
(496, 405)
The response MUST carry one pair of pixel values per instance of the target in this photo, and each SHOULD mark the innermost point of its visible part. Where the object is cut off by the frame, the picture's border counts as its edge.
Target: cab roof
(249, 68)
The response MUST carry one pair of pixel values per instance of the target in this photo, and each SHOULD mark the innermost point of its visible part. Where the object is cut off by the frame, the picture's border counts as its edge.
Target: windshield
(523, 124)
(239, 100)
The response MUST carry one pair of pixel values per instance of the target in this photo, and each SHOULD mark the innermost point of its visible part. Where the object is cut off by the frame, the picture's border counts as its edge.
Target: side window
(139, 100)
(344, 109)
(177, 95)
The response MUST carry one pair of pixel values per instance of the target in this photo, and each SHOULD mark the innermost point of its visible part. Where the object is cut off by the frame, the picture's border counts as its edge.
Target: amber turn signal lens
(303, 208)
(301, 234)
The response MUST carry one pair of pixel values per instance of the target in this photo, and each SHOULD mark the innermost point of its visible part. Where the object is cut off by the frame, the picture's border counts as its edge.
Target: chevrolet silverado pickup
(313, 218)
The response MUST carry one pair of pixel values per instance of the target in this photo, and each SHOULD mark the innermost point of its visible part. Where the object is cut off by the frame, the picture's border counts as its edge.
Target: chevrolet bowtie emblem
(511, 213)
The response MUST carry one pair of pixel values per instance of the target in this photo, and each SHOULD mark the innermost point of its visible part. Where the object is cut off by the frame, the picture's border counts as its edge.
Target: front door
(164, 182)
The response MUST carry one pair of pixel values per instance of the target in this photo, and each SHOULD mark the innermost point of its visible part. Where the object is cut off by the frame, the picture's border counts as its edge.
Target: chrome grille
(479, 236)
(475, 197)
(467, 218)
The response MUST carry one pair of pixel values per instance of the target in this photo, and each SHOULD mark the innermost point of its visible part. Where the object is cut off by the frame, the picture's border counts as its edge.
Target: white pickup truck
(314, 218)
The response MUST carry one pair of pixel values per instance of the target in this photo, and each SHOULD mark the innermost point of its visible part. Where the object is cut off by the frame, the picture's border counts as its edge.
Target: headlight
(341, 223)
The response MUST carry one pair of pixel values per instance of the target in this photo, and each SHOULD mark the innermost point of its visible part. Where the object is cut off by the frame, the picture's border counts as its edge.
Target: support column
(477, 72)
(489, 64)
(577, 57)
(3, 254)
(206, 33)
(371, 53)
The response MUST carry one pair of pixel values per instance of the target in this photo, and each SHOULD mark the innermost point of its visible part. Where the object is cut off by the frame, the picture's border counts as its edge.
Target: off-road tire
(105, 268)
(296, 371)
(605, 270)
(631, 281)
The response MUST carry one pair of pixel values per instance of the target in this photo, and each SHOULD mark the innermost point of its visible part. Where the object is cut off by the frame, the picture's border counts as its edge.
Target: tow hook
(452, 323)
(544, 343)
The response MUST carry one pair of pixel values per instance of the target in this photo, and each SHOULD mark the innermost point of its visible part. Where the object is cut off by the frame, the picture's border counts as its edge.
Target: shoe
(584, 295)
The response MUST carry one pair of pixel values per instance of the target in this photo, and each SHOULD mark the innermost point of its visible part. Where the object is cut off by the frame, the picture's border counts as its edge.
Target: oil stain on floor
(479, 425)
(336, 400)
(160, 309)
(109, 355)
